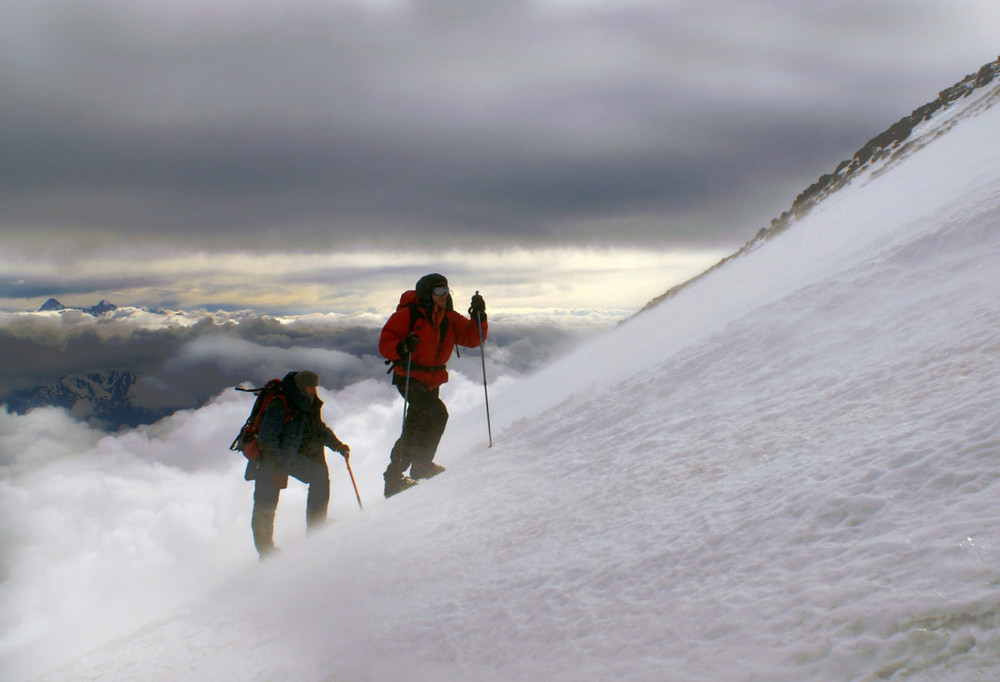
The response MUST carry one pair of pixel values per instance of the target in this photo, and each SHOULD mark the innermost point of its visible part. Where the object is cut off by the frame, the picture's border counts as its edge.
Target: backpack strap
(414, 316)
(267, 401)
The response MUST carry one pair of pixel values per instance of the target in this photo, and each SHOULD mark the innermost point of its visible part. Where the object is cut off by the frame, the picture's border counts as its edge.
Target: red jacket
(427, 363)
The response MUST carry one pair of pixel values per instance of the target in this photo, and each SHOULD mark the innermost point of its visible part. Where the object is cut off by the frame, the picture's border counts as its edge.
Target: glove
(345, 450)
(478, 307)
(407, 345)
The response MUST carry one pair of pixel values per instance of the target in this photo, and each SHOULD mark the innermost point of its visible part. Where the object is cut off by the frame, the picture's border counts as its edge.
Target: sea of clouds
(182, 359)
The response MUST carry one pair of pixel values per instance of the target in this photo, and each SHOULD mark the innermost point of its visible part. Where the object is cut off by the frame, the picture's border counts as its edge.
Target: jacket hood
(423, 290)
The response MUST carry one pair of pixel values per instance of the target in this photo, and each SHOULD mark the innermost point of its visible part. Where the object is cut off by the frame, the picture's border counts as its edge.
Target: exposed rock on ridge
(886, 148)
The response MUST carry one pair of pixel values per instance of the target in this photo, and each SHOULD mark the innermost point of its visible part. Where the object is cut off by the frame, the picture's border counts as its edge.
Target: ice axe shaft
(354, 483)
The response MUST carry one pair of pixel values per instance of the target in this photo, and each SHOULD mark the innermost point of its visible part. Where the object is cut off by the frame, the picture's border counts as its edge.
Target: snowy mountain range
(104, 306)
(785, 470)
(102, 400)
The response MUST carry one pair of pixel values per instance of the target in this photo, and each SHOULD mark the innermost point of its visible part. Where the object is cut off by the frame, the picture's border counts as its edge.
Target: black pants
(269, 481)
(426, 417)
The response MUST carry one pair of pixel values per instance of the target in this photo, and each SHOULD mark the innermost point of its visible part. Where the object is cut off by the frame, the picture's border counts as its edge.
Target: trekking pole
(482, 355)
(406, 393)
(356, 494)
(406, 403)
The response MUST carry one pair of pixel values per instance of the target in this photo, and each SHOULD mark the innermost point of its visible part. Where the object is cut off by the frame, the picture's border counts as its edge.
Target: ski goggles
(441, 291)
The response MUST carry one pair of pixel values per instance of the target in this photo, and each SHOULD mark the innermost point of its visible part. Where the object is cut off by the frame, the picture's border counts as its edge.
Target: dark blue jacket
(303, 434)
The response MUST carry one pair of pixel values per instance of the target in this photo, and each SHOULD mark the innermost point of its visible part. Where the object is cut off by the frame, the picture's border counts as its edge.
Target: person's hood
(423, 290)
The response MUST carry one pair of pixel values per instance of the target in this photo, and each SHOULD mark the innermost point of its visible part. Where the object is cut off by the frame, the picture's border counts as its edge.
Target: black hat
(306, 378)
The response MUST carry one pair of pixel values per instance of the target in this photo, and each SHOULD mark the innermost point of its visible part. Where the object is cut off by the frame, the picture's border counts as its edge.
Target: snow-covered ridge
(898, 141)
(910, 133)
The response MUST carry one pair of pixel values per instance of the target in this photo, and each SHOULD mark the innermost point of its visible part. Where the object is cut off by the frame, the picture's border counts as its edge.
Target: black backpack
(246, 439)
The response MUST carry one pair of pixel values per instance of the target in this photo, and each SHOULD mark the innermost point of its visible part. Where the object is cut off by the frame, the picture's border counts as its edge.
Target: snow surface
(789, 471)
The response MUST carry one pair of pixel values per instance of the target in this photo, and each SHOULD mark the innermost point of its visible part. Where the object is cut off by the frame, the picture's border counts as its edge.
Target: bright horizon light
(621, 279)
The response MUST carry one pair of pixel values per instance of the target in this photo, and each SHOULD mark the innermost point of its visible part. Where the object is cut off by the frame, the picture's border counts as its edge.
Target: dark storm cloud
(214, 124)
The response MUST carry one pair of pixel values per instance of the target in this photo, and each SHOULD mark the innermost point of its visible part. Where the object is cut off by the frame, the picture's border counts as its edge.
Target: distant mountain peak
(105, 306)
(51, 304)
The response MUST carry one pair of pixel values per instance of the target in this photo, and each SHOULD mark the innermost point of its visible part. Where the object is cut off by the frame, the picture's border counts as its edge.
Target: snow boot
(425, 470)
(397, 484)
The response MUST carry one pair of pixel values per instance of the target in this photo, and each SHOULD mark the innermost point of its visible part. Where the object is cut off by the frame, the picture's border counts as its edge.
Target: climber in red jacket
(418, 339)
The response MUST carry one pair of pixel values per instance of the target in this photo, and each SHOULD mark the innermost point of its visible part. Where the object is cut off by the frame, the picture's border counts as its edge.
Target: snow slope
(788, 471)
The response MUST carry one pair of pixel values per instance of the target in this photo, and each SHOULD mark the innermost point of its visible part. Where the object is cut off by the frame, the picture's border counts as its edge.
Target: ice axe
(347, 461)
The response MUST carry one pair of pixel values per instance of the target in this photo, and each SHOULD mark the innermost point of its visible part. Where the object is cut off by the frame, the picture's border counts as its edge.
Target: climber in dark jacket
(292, 440)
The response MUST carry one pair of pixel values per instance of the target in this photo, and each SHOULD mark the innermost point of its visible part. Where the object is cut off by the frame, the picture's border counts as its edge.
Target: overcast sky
(561, 153)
